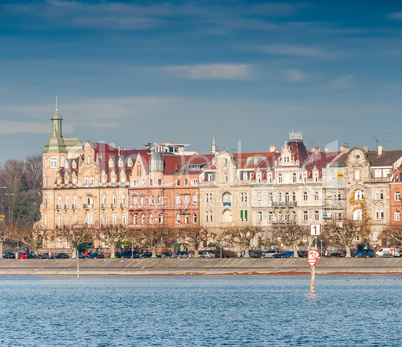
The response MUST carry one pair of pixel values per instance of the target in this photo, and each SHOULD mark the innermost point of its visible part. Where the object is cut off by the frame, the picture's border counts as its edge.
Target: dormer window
(121, 162)
(53, 162)
(130, 162)
(111, 162)
(74, 164)
(89, 159)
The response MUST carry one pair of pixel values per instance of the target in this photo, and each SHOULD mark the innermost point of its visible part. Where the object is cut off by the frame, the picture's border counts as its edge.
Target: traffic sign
(315, 229)
(312, 257)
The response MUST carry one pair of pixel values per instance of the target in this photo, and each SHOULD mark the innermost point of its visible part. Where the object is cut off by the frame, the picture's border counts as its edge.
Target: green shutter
(245, 214)
(241, 214)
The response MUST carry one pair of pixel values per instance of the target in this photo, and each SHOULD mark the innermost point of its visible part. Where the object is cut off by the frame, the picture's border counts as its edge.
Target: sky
(131, 72)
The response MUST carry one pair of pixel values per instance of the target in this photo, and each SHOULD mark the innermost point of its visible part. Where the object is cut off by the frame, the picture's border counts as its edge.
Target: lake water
(200, 311)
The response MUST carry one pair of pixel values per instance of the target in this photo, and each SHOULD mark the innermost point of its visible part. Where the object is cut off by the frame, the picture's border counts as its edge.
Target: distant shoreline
(201, 267)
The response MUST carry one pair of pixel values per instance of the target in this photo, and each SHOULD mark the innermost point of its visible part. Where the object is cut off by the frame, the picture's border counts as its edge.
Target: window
(305, 196)
(186, 219)
(59, 202)
(53, 162)
(280, 179)
(243, 215)
(397, 196)
(294, 196)
(259, 216)
(178, 183)
(359, 195)
(151, 219)
(86, 184)
(135, 220)
(75, 200)
(293, 215)
(159, 199)
(210, 216)
(357, 214)
(357, 175)
(194, 182)
(225, 177)
(59, 221)
(305, 216)
(123, 221)
(194, 218)
(186, 182)
(397, 216)
(114, 200)
(160, 218)
(114, 218)
(194, 200)
(316, 196)
(186, 197)
(377, 173)
(143, 218)
(178, 200)
(294, 178)
(123, 199)
(316, 215)
(206, 216)
(134, 183)
(104, 219)
(286, 216)
(270, 216)
(152, 200)
(159, 182)
(208, 197)
(92, 181)
(151, 182)
(270, 196)
(142, 183)
(120, 162)
(89, 219)
(243, 197)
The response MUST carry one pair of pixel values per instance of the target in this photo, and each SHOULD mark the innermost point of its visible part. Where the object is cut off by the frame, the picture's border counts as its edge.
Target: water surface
(200, 311)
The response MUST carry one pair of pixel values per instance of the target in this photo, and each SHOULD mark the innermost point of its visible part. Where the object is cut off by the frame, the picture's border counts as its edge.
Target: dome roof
(156, 163)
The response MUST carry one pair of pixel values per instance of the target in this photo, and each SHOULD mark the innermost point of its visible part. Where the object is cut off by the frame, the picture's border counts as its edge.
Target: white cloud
(395, 16)
(211, 71)
(293, 75)
(296, 51)
(342, 82)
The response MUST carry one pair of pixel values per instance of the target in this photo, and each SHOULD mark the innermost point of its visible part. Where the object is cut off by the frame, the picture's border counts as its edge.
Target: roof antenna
(56, 103)
(388, 131)
(376, 141)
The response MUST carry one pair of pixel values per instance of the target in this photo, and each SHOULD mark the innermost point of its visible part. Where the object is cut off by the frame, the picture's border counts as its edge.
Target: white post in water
(78, 263)
(312, 255)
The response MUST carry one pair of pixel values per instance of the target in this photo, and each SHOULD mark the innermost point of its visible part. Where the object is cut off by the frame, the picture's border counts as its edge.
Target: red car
(22, 255)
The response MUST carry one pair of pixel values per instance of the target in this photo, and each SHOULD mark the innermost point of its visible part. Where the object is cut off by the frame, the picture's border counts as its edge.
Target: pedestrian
(86, 254)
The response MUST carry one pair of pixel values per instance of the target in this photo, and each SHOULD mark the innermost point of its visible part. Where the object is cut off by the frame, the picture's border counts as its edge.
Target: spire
(214, 147)
(55, 143)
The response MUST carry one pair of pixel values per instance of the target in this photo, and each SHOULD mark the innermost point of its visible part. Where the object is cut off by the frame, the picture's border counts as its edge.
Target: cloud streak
(15, 127)
(211, 71)
(295, 51)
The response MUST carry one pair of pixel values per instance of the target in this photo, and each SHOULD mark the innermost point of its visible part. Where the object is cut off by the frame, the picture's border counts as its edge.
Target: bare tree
(75, 235)
(242, 237)
(392, 236)
(153, 237)
(110, 235)
(292, 236)
(196, 236)
(346, 234)
(31, 238)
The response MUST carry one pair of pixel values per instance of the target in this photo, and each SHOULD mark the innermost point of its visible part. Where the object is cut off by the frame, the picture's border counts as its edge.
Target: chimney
(272, 148)
(316, 149)
(326, 150)
(379, 149)
(365, 148)
(118, 148)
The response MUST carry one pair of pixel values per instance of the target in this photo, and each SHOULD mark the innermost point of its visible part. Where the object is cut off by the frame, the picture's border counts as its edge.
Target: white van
(388, 252)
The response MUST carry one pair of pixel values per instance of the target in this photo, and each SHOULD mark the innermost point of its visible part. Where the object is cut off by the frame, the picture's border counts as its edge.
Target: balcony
(58, 207)
(74, 207)
(104, 206)
(113, 206)
(66, 207)
(123, 206)
(87, 206)
(283, 204)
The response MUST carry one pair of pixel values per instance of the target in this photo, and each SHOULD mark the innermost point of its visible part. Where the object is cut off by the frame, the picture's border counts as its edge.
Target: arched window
(358, 214)
(89, 219)
(286, 197)
(316, 196)
(67, 201)
(59, 202)
(143, 218)
(135, 220)
(194, 218)
(151, 219)
(104, 200)
(178, 218)
(359, 194)
(160, 218)
(294, 196)
(280, 178)
(294, 177)
(59, 220)
(397, 216)
(305, 196)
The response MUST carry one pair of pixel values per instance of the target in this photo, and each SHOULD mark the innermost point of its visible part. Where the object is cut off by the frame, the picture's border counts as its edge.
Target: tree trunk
(112, 251)
(153, 252)
(295, 254)
(1, 249)
(246, 253)
(196, 254)
(75, 252)
(348, 252)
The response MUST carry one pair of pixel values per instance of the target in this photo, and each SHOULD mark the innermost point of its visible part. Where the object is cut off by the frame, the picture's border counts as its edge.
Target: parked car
(206, 254)
(288, 254)
(146, 255)
(94, 255)
(269, 253)
(61, 256)
(388, 252)
(45, 256)
(8, 255)
(365, 253)
(185, 255)
(22, 255)
(302, 254)
(165, 255)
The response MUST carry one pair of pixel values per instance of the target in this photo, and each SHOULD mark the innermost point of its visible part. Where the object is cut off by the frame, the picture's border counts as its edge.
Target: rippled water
(200, 311)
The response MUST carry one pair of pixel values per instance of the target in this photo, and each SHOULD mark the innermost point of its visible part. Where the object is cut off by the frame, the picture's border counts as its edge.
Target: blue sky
(127, 72)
